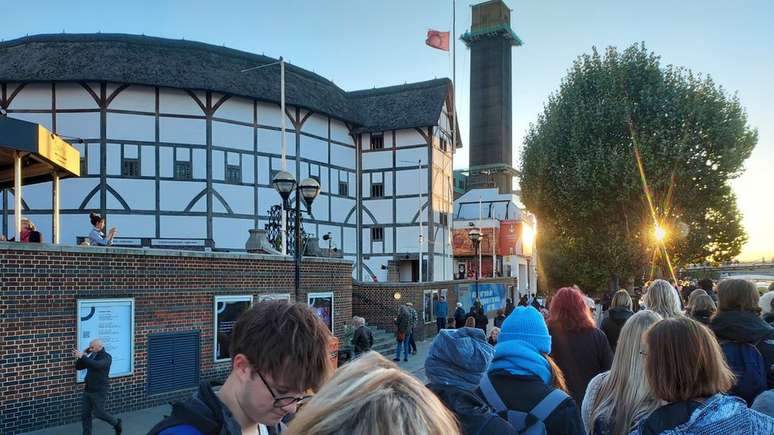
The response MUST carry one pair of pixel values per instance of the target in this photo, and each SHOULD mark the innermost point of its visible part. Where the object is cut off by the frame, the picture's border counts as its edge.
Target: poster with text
(274, 297)
(112, 321)
(227, 312)
(322, 304)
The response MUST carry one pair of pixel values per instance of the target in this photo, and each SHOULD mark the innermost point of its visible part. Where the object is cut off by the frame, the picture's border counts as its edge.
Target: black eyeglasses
(283, 401)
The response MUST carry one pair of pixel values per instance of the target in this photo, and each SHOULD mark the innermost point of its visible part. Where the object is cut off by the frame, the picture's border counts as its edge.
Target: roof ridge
(397, 88)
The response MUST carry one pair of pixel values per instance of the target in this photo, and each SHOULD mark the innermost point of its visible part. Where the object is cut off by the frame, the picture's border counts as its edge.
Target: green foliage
(579, 173)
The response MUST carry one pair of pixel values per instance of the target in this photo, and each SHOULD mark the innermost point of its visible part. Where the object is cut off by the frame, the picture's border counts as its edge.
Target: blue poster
(112, 321)
(492, 296)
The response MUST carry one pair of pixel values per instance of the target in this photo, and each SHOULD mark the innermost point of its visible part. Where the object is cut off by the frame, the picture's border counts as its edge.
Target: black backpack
(747, 363)
(527, 423)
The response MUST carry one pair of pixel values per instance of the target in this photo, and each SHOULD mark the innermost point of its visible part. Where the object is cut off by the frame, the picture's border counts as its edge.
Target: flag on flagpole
(437, 39)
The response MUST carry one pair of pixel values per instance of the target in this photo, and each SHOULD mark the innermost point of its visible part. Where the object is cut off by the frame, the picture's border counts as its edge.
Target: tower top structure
(491, 19)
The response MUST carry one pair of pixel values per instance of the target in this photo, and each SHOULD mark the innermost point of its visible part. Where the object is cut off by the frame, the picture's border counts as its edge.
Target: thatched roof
(152, 61)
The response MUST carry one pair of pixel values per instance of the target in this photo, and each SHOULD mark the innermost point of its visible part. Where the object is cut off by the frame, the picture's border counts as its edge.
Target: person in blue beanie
(523, 379)
(456, 361)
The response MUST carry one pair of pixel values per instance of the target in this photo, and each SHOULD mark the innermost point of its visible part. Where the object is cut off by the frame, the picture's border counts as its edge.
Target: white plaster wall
(269, 141)
(135, 97)
(199, 163)
(340, 208)
(269, 114)
(276, 164)
(406, 209)
(74, 225)
(350, 240)
(182, 130)
(343, 156)
(93, 159)
(320, 207)
(148, 161)
(366, 238)
(131, 127)
(175, 101)
(239, 198)
(113, 159)
(408, 180)
(237, 109)
(408, 239)
(263, 170)
(377, 160)
(366, 185)
(232, 136)
(314, 149)
(37, 196)
(175, 195)
(410, 157)
(218, 165)
(74, 190)
(443, 268)
(388, 191)
(340, 132)
(389, 245)
(32, 96)
(184, 227)
(408, 137)
(231, 233)
(43, 119)
(267, 197)
(138, 194)
(336, 232)
(248, 168)
(381, 209)
(80, 125)
(74, 96)
(133, 225)
(375, 264)
(316, 125)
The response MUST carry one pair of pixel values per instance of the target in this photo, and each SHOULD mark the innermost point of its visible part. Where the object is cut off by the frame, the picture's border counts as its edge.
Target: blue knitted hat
(526, 324)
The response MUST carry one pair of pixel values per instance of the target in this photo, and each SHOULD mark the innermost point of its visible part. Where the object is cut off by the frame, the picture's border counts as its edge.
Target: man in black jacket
(96, 361)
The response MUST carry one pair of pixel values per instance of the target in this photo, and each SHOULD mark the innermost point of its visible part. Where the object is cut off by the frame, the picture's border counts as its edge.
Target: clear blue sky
(360, 44)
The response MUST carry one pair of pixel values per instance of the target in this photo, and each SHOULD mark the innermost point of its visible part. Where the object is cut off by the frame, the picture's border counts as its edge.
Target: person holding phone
(96, 236)
(96, 361)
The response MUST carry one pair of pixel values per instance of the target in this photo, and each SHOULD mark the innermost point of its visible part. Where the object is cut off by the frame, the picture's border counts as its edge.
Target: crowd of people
(675, 364)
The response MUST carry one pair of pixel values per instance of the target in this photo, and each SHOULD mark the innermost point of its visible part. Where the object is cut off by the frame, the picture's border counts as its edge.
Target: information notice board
(112, 321)
(227, 312)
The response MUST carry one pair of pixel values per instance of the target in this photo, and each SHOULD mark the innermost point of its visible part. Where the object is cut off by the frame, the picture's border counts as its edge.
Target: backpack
(526, 423)
(747, 363)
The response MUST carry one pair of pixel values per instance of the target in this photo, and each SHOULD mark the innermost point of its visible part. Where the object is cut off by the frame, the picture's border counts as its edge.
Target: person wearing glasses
(271, 375)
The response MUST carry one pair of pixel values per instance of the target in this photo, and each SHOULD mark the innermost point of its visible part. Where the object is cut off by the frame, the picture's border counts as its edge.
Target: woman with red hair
(578, 347)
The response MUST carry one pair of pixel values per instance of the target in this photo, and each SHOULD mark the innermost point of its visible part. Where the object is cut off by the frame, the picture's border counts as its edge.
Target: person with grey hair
(363, 339)
(96, 361)
(663, 299)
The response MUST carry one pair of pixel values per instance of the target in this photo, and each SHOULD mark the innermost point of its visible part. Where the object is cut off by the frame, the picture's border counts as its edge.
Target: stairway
(384, 342)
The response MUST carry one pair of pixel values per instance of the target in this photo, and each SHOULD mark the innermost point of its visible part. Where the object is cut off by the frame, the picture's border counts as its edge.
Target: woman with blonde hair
(663, 299)
(615, 318)
(617, 399)
(692, 299)
(703, 308)
(372, 396)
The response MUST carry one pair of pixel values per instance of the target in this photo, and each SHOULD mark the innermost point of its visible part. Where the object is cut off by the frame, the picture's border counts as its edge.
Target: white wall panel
(199, 163)
(32, 96)
(248, 168)
(166, 161)
(336, 233)
(406, 209)
(148, 161)
(365, 139)
(320, 207)
(410, 157)
(408, 180)
(184, 227)
(366, 239)
(218, 165)
(94, 160)
(178, 102)
(377, 160)
(343, 156)
(408, 239)
(239, 198)
(269, 142)
(316, 125)
(175, 195)
(113, 159)
(183, 130)
(236, 109)
(232, 136)
(43, 119)
(350, 240)
(138, 194)
(269, 114)
(388, 240)
(74, 225)
(366, 185)
(135, 97)
(267, 197)
(231, 233)
(409, 137)
(74, 96)
(276, 164)
(381, 209)
(340, 132)
(133, 225)
(80, 125)
(263, 170)
(131, 127)
(340, 208)
(388, 184)
(38, 196)
(314, 149)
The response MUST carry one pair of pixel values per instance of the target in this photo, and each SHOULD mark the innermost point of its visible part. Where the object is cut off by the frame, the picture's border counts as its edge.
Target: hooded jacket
(202, 414)
(702, 316)
(746, 327)
(613, 323)
(719, 414)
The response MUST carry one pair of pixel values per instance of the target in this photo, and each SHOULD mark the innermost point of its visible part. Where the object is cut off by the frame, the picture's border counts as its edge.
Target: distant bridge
(757, 271)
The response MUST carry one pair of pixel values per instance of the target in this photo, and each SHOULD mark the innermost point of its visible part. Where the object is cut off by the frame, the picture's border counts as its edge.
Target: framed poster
(429, 298)
(112, 321)
(322, 304)
(274, 297)
(226, 313)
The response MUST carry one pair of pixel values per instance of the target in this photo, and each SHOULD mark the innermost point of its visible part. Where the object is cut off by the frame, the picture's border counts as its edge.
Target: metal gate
(173, 361)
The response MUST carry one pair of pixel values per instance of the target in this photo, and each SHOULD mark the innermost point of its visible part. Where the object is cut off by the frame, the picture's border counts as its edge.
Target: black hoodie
(204, 412)
(747, 327)
(612, 324)
(474, 415)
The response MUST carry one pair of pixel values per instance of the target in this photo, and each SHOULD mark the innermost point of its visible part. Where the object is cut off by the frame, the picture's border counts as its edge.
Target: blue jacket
(458, 357)
(97, 239)
(441, 310)
(720, 414)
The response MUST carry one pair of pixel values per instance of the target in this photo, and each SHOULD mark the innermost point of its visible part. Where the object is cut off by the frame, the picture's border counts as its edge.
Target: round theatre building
(178, 148)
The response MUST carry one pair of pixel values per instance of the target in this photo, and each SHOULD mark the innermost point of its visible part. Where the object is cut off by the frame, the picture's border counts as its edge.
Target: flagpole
(454, 76)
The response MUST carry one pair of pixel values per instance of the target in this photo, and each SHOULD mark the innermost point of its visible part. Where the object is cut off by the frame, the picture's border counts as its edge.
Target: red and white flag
(437, 39)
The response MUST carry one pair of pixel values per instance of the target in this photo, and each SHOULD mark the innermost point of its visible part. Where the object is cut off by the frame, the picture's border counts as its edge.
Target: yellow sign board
(58, 152)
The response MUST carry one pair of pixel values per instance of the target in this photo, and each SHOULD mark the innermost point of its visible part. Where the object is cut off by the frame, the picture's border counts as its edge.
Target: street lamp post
(475, 237)
(527, 243)
(285, 183)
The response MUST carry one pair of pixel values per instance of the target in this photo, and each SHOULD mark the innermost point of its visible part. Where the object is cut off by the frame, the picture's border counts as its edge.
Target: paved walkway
(141, 421)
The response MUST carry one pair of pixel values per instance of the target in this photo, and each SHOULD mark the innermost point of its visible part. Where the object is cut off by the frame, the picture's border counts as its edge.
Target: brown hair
(287, 342)
(621, 299)
(684, 361)
(703, 303)
(470, 322)
(692, 297)
(738, 295)
(556, 374)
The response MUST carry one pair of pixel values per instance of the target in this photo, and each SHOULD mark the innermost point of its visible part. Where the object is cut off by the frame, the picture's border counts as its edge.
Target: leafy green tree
(580, 176)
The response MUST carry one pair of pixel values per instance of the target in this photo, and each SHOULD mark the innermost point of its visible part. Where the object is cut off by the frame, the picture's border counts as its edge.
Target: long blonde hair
(625, 396)
(663, 299)
(372, 396)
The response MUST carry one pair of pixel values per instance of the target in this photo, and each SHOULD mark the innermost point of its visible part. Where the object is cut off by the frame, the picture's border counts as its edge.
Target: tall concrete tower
(490, 40)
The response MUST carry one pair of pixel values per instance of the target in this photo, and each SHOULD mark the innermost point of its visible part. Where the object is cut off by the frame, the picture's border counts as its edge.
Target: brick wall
(173, 292)
(376, 302)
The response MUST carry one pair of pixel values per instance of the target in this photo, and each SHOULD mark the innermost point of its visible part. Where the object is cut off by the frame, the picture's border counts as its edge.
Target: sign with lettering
(112, 321)
(227, 312)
